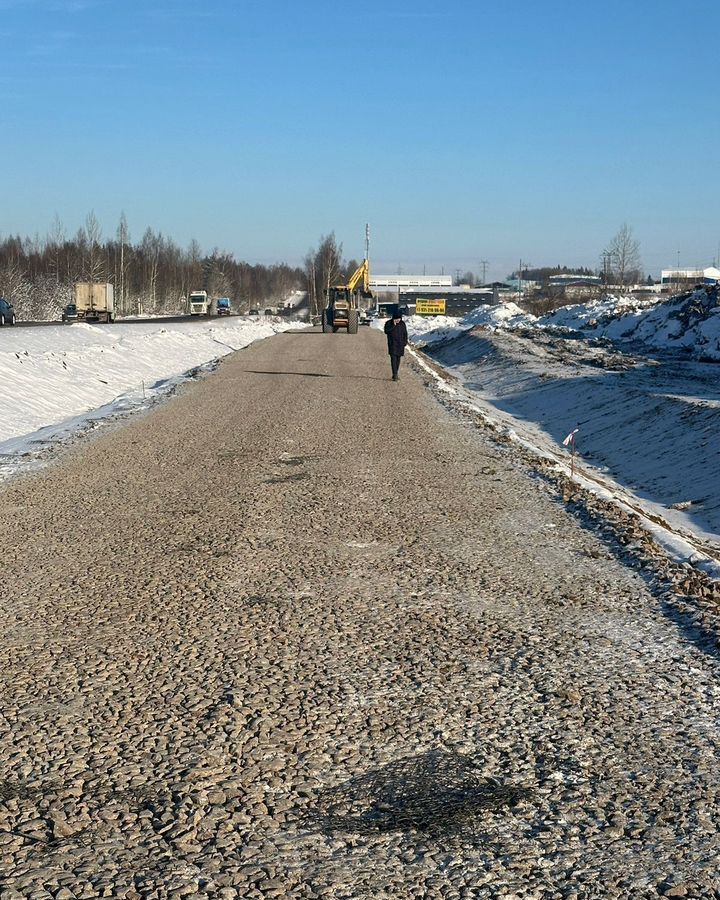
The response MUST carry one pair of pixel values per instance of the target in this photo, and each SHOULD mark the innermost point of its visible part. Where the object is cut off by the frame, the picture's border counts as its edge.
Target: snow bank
(56, 374)
(425, 330)
(689, 323)
(649, 425)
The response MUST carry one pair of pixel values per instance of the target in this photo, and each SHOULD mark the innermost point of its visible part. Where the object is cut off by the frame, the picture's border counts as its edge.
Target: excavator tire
(353, 319)
(327, 328)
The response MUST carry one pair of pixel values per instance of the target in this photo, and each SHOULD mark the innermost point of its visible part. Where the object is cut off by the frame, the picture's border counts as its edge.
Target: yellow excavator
(341, 309)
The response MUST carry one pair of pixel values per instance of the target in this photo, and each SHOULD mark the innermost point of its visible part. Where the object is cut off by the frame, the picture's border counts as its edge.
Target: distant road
(119, 321)
(186, 318)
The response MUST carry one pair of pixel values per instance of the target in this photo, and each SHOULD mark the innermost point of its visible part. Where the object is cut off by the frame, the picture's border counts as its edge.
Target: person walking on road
(397, 338)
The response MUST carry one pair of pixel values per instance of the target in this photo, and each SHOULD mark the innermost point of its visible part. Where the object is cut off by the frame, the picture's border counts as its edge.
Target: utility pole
(606, 270)
(484, 263)
(457, 277)
(520, 280)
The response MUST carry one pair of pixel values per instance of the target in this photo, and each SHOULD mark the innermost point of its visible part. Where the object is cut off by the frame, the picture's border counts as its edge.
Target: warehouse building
(681, 279)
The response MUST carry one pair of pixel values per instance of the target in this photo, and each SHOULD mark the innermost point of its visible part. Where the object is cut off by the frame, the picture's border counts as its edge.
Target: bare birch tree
(328, 262)
(95, 265)
(123, 238)
(56, 240)
(623, 253)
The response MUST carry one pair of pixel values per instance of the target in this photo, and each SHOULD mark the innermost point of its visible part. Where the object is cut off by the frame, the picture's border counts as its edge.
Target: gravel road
(303, 632)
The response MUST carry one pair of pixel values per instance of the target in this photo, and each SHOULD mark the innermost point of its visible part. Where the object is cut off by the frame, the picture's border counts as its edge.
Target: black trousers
(395, 363)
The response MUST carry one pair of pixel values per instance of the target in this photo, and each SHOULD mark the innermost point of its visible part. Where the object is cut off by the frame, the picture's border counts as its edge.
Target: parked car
(7, 312)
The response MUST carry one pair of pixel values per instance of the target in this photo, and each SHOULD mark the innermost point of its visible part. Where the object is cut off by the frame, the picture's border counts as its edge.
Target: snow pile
(57, 374)
(426, 330)
(690, 322)
(596, 312)
(505, 315)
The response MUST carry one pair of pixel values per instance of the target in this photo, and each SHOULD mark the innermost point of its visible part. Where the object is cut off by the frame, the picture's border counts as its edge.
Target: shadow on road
(315, 375)
(438, 793)
(303, 374)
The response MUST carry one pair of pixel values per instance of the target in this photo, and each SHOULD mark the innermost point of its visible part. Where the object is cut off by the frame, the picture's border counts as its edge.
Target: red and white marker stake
(570, 442)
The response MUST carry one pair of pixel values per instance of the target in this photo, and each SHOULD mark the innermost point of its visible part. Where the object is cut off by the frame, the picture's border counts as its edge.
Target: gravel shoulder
(304, 632)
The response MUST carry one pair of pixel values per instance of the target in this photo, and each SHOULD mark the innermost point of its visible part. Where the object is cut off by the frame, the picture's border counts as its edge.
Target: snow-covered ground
(58, 379)
(634, 377)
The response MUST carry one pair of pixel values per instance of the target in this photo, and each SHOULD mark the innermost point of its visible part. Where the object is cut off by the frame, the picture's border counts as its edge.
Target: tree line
(153, 275)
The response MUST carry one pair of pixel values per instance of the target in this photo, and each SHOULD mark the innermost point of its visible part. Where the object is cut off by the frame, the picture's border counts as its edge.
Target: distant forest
(153, 275)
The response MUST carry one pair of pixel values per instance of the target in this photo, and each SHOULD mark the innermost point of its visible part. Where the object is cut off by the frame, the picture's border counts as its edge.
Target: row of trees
(155, 275)
(152, 275)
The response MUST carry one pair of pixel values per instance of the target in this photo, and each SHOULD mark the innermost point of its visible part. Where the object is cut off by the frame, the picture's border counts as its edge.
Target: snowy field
(640, 380)
(59, 379)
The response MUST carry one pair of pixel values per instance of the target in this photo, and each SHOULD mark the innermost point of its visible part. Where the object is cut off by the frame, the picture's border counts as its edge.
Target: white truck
(94, 302)
(198, 303)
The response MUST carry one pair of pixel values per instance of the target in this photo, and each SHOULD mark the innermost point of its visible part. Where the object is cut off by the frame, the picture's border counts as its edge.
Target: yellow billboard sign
(430, 307)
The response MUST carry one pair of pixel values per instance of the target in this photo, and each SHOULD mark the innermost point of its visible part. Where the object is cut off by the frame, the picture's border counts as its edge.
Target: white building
(409, 282)
(690, 277)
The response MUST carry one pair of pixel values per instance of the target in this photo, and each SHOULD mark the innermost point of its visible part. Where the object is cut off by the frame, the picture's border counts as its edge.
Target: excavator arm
(362, 273)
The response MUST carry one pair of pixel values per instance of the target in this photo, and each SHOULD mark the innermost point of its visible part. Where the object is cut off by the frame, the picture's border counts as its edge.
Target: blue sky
(461, 131)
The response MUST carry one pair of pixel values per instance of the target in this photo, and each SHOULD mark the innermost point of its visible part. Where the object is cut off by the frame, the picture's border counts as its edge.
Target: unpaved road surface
(303, 632)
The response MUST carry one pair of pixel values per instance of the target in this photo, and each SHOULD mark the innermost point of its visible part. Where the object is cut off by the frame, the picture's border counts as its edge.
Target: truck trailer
(94, 302)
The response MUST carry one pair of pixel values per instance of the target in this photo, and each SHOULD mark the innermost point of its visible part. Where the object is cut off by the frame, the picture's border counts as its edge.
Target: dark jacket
(396, 337)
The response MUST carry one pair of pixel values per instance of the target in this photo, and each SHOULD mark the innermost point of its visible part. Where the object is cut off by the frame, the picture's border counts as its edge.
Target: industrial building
(678, 279)
(380, 283)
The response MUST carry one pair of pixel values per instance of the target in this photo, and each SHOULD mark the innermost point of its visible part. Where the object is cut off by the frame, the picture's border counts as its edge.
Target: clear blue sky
(461, 130)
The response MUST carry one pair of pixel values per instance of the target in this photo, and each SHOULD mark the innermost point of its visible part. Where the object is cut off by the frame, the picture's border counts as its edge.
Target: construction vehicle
(342, 307)
(94, 302)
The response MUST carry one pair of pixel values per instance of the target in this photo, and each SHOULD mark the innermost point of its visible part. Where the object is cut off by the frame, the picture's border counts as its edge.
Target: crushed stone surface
(303, 632)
